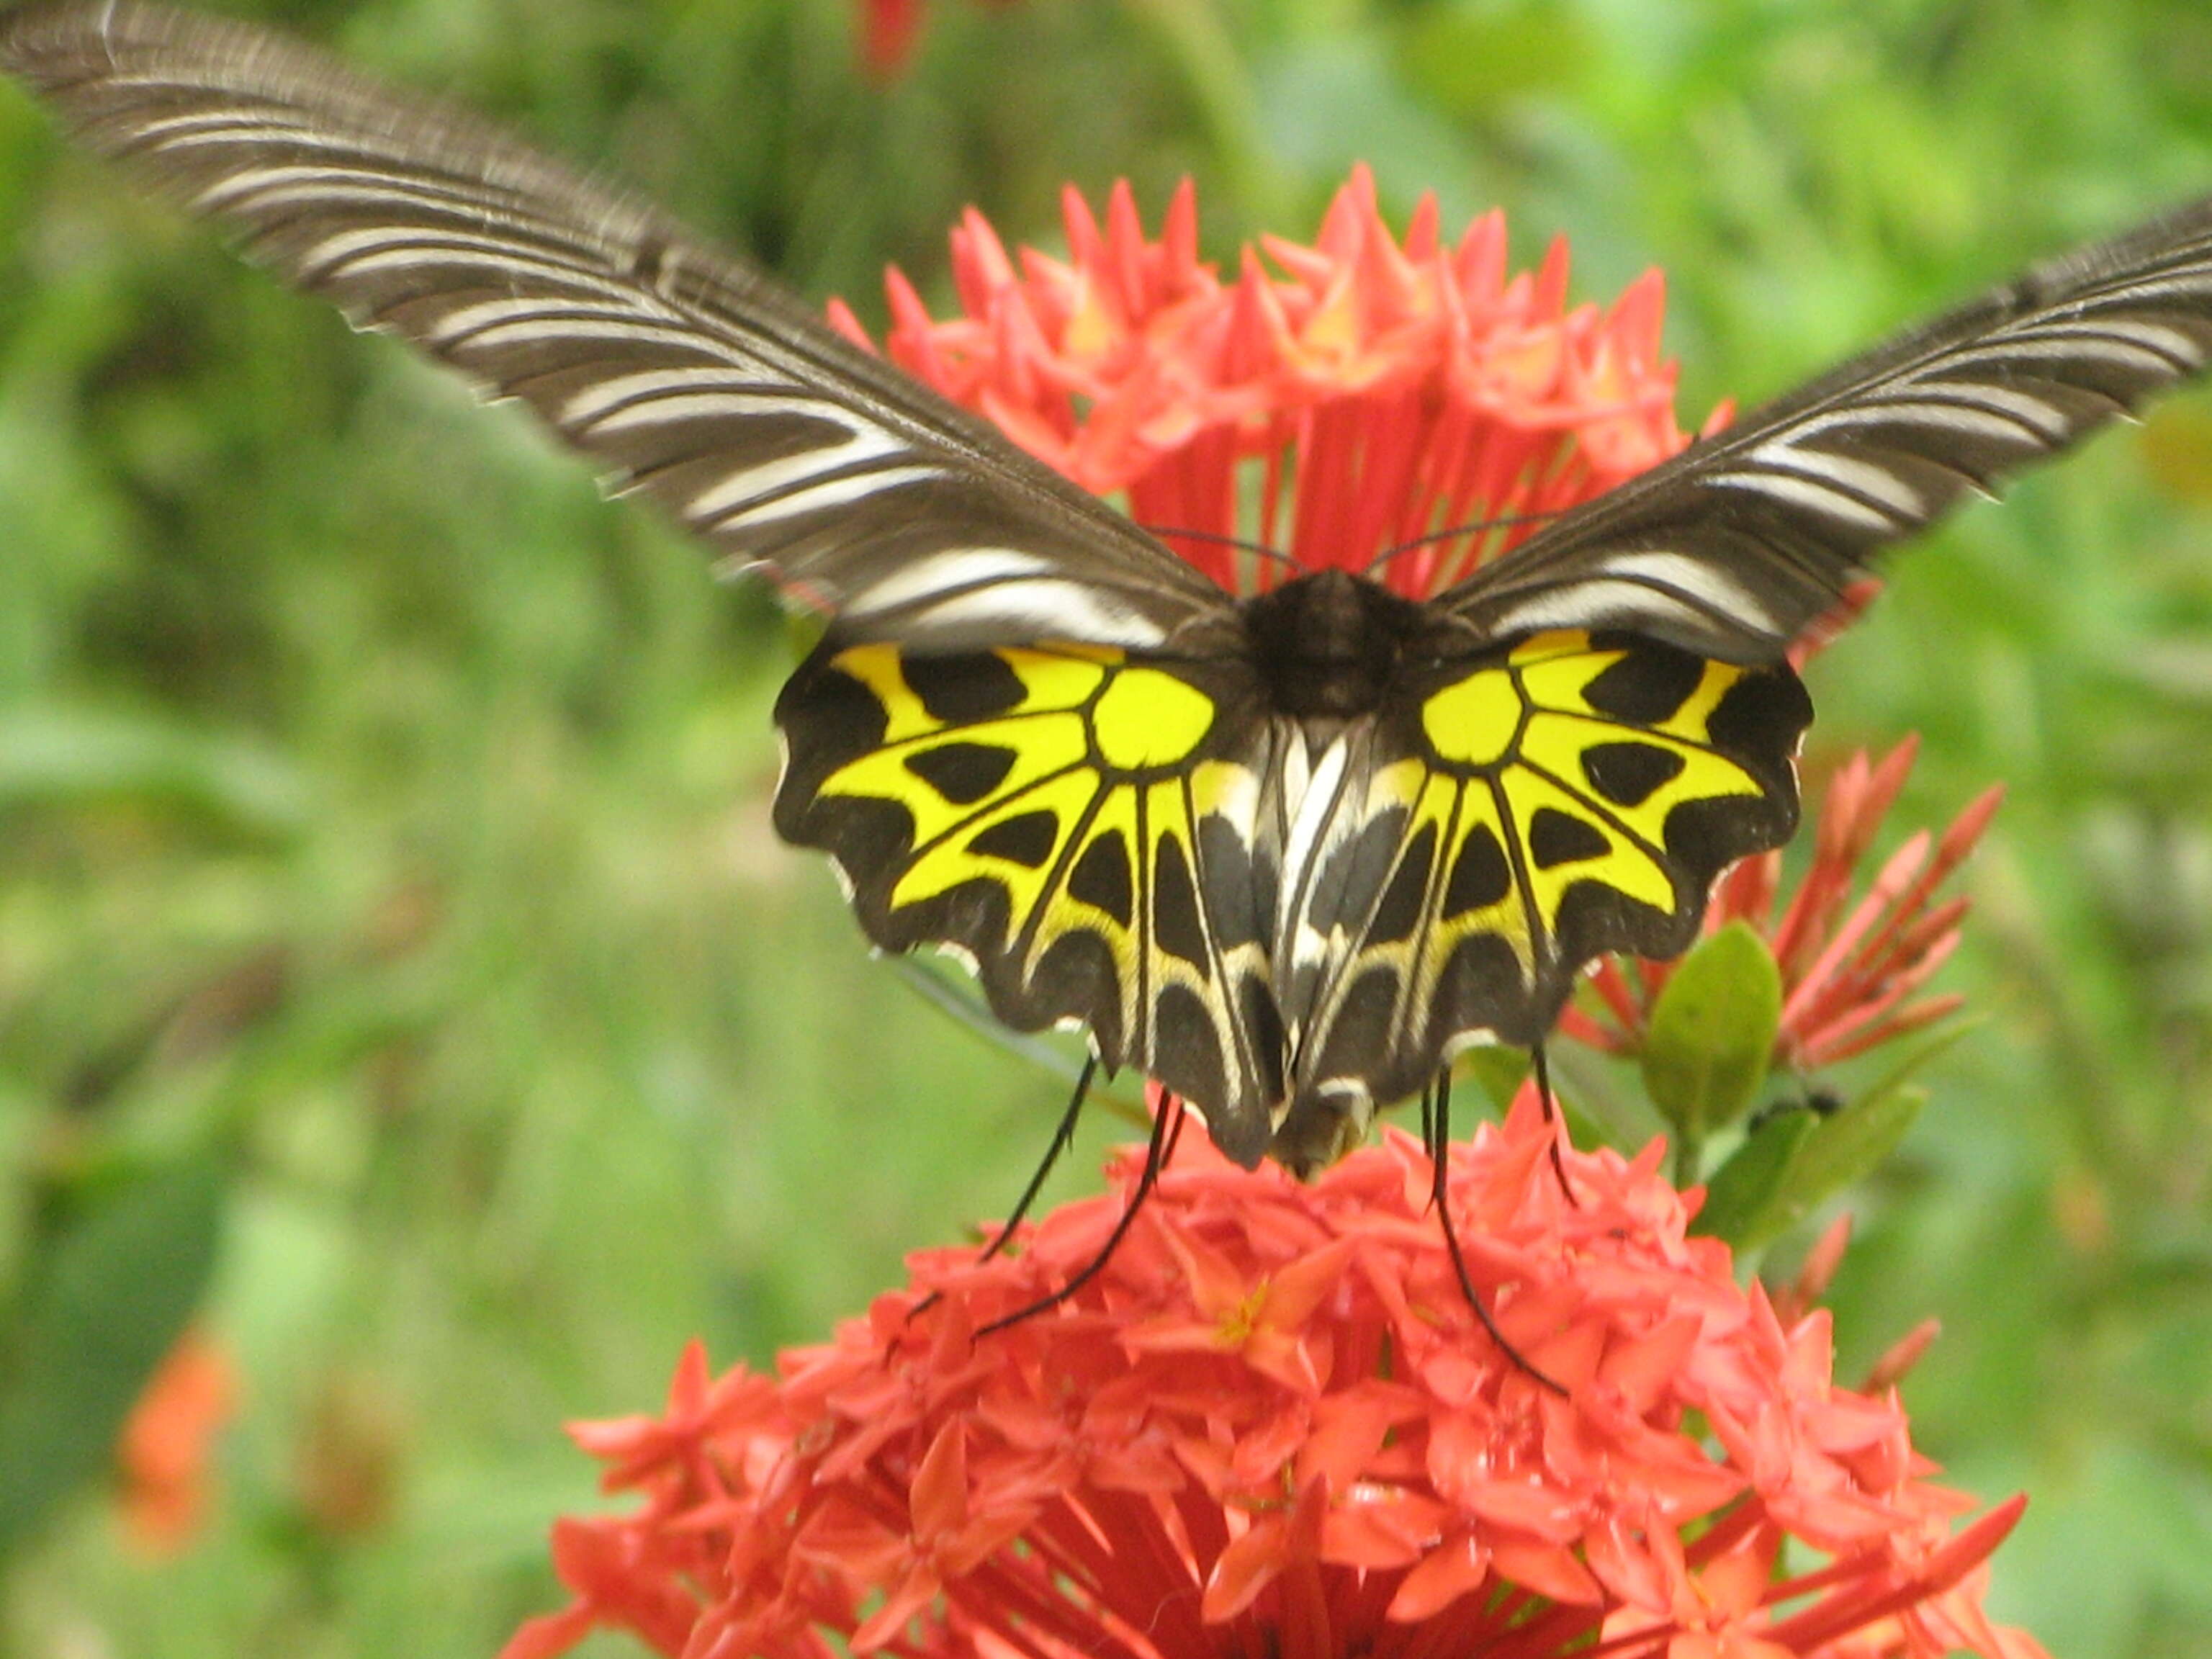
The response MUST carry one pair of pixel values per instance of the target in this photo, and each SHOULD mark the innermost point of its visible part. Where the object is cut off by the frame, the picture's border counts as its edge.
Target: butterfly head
(1329, 645)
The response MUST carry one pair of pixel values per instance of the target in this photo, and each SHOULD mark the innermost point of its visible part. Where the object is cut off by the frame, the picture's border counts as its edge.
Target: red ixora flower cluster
(1273, 1426)
(1848, 971)
(1374, 390)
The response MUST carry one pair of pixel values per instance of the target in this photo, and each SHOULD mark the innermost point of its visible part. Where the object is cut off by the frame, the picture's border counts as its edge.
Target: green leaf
(1796, 1161)
(1742, 1195)
(1845, 1145)
(1917, 1058)
(1712, 1032)
(1848, 1146)
(120, 1287)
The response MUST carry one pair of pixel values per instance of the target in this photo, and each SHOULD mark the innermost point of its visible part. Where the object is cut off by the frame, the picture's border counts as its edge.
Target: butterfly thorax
(1329, 645)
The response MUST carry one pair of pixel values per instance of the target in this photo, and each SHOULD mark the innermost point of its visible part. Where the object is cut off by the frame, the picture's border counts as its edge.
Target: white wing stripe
(1312, 810)
(229, 129)
(2052, 346)
(672, 408)
(2190, 285)
(297, 184)
(1927, 412)
(1699, 580)
(963, 567)
(2179, 351)
(2029, 410)
(1609, 603)
(1866, 479)
(406, 248)
(1794, 490)
(1048, 608)
(828, 493)
(751, 484)
(487, 316)
(167, 132)
(345, 189)
(603, 397)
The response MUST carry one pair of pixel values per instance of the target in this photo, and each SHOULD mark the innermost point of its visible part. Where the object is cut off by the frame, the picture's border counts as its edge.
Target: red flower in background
(890, 33)
(167, 1447)
(1374, 390)
(1272, 1424)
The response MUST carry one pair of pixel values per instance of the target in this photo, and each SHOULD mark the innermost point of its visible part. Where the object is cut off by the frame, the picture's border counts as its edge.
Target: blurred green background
(395, 955)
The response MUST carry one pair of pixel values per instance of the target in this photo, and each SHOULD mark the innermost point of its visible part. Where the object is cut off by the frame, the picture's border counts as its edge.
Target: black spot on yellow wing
(1405, 896)
(1627, 774)
(1028, 838)
(1175, 925)
(1756, 716)
(1648, 682)
(1480, 876)
(1080, 822)
(1556, 838)
(958, 690)
(1101, 878)
(1543, 804)
(963, 773)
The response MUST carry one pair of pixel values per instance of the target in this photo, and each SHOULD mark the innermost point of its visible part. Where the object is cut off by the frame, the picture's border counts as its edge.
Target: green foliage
(380, 804)
(1711, 1032)
(117, 1289)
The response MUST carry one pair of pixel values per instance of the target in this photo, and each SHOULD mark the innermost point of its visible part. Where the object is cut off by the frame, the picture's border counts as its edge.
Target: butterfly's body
(1326, 647)
(1285, 853)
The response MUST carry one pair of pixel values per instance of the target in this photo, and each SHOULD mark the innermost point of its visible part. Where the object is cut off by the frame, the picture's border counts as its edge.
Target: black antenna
(1473, 527)
(1258, 549)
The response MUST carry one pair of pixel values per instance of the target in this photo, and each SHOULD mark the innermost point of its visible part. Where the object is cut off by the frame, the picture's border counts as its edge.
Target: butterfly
(1286, 854)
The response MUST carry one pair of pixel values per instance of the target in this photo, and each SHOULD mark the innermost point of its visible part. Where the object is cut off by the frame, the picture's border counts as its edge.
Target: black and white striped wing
(1732, 547)
(690, 377)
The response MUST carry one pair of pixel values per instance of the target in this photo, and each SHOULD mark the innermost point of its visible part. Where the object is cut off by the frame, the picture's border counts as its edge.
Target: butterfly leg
(1062, 1137)
(1436, 1128)
(1541, 1067)
(1167, 1129)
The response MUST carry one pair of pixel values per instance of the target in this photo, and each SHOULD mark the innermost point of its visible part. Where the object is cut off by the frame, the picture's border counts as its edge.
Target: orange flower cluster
(165, 1452)
(1847, 973)
(1272, 1424)
(1375, 390)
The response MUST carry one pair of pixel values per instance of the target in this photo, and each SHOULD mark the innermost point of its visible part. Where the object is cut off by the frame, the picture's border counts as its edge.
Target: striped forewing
(689, 376)
(1736, 544)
